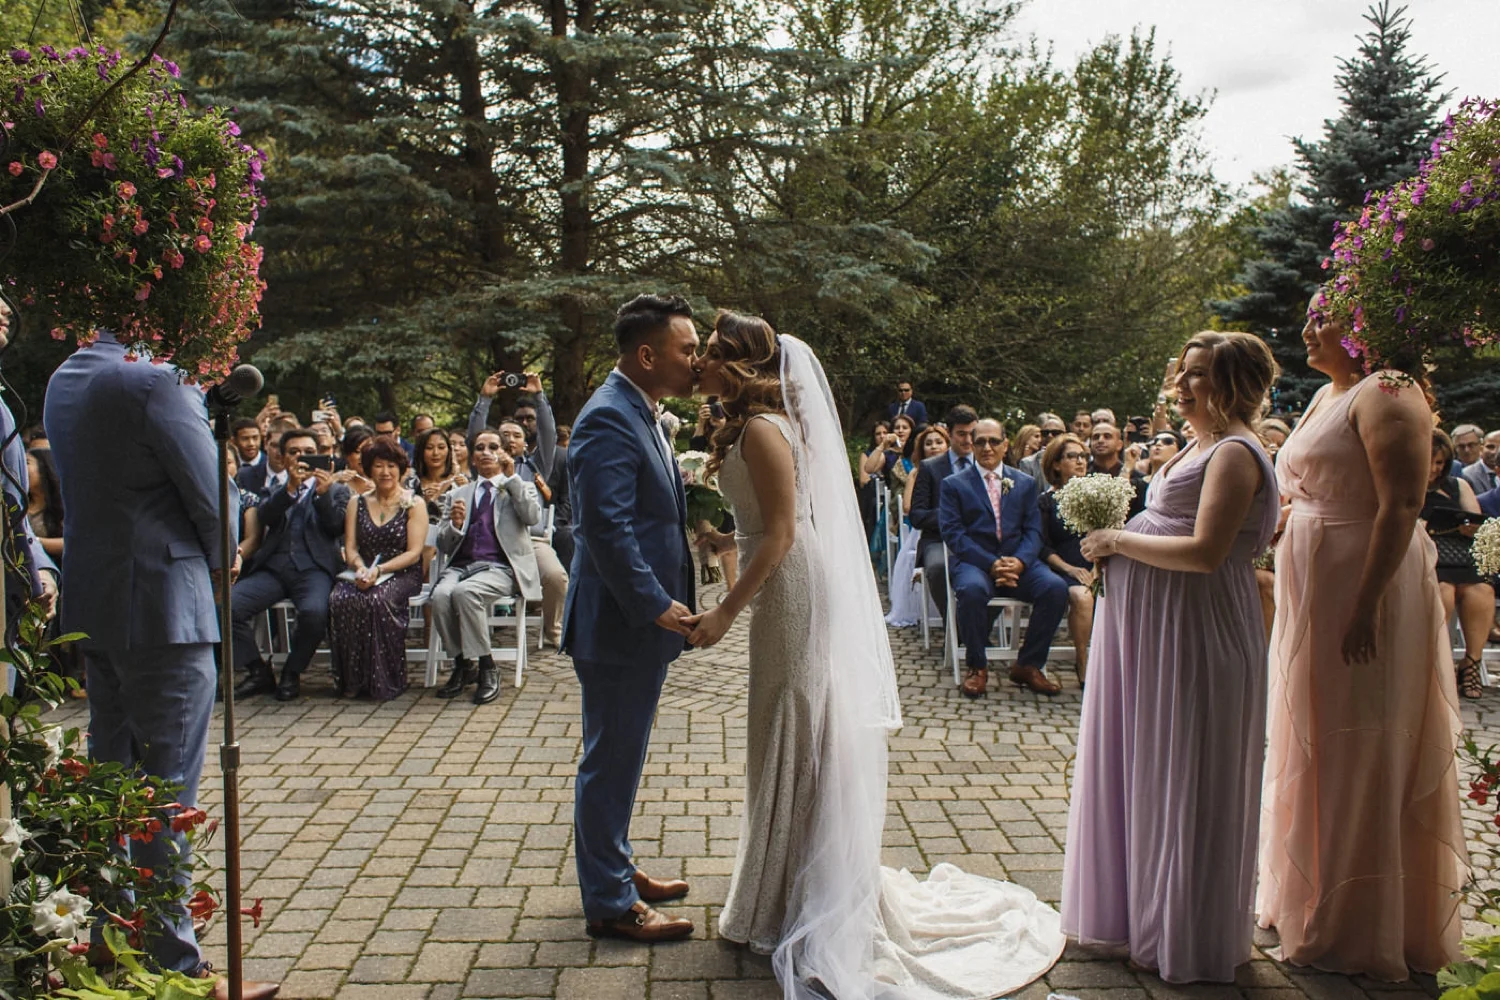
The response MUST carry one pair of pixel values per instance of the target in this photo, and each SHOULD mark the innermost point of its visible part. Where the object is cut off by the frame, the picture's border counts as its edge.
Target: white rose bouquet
(1095, 503)
(1487, 548)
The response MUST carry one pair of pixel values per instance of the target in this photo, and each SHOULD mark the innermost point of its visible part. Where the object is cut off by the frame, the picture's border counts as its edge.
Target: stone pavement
(420, 849)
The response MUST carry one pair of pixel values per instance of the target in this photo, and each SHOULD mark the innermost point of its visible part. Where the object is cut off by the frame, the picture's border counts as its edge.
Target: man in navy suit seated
(991, 524)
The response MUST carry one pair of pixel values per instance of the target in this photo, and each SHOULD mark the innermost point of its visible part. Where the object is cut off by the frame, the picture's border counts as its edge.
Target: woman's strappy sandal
(1469, 684)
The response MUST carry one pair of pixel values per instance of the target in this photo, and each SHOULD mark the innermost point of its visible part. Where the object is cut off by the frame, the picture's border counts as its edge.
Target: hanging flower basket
(1419, 270)
(142, 223)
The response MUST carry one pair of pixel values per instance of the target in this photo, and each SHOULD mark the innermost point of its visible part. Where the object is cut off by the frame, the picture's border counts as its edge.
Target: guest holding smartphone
(1451, 515)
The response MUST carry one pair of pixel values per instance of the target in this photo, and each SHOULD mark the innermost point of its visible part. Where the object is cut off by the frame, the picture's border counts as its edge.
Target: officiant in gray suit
(487, 541)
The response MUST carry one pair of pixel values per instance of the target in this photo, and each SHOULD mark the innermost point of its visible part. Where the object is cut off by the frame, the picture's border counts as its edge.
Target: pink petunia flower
(203, 244)
(127, 190)
(15, 168)
(46, 160)
(143, 293)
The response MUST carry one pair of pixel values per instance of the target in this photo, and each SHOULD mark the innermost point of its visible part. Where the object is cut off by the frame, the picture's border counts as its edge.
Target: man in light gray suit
(490, 556)
(136, 460)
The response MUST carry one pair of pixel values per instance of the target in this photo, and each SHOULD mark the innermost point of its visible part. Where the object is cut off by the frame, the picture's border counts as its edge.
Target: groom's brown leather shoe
(658, 891)
(642, 923)
(1031, 677)
(974, 682)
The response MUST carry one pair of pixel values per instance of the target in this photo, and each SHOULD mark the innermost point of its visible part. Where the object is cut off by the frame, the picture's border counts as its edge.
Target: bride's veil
(826, 947)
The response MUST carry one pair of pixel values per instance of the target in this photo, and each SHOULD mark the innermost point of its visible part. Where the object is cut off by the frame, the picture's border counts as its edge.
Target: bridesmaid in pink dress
(1362, 853)
(1166, 785)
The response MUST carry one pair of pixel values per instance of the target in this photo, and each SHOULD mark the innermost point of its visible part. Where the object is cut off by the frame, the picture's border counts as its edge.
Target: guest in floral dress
(384, 531)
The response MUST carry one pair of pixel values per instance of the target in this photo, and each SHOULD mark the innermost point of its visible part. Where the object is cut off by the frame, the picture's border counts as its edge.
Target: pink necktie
(992, 482)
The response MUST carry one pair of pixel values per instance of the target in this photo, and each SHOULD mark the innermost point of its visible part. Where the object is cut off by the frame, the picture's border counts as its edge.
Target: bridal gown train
(953, 936)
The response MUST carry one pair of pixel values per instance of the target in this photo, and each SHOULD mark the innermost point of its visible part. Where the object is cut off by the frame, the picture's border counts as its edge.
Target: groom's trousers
(619, 708)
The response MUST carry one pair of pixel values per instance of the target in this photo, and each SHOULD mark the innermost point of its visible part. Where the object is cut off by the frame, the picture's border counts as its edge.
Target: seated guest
(1082, 425)
(1027, 442)
(562, 520)
(1481, 473)
(434, 475)
(34, 438)
(1450, 499)
(564, 436)
(421, 424)
(490, 557)
(358, 439)
(44, 501)
(1489, 503)
(554, 575)
(246, 438)
(385, 531)
(328, 444)
(709, 421)
(298, 559)
(385, 425)
(992, 525)
(458, 444)
(1273, 434)
(1107, 447)
(1066, 458)
(1164, 445)
(865, 481)
(908, 599)
(905, 406)
(247, 505)
(1103, 415)
(1049, 426)
(1468, 446)
(923, 512)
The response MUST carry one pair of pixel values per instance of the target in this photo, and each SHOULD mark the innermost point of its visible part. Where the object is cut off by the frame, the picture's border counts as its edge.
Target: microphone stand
(229, 749)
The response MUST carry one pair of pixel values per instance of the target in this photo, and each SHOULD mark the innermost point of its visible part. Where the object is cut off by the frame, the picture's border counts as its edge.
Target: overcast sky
(1272, 62)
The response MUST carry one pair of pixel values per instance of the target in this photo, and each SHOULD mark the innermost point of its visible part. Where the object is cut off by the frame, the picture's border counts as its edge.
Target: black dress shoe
(463, 675)
(260, 680)
(489, 682)
(290, 687)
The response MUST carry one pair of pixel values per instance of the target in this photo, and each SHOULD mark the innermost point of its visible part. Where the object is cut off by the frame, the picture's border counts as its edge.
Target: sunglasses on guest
(988, 442)
(1049, 435)
(1164, 440)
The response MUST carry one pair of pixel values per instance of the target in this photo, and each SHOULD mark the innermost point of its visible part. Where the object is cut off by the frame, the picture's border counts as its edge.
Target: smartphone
(715, 408)
(319, 416)
(324, 462)
(273, 400)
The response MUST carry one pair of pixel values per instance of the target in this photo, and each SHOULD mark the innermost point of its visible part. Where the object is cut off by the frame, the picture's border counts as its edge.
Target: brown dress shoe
(642, 923)
(248, 990)
(975, 682)
(658, 891)
(1031, 677)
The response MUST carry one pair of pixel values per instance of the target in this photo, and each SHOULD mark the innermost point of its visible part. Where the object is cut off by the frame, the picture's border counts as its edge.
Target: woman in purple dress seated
(384, 531)
(1166, 786)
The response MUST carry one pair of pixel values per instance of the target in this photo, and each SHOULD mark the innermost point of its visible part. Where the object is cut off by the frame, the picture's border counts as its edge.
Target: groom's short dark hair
(646, 315)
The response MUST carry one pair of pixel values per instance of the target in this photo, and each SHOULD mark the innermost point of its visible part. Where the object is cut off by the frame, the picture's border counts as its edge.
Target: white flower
(61, 915)
(12, 836)
(1096, 502)
(52, 738)
(1487, 547)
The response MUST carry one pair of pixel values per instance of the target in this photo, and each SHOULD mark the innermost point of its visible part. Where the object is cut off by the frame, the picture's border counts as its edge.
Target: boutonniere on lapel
(1005, 484)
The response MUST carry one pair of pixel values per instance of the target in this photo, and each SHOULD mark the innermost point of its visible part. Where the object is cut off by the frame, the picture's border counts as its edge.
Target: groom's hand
(672, 618)
(708, 628)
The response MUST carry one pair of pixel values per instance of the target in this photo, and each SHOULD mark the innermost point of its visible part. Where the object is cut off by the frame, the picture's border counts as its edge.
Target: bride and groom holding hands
(808, 888)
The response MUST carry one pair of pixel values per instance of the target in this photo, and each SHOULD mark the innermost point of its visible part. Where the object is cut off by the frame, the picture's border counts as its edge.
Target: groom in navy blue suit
(999, 555)
(630, 586)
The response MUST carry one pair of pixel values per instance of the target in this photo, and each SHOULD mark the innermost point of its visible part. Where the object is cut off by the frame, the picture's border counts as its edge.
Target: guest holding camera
(1451, 516)
(298, 559)
(385, 531)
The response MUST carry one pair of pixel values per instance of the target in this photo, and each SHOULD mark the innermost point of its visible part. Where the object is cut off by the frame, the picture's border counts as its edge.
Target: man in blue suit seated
(137, 463)
(991, 524)
(297, 559)
(630, 587)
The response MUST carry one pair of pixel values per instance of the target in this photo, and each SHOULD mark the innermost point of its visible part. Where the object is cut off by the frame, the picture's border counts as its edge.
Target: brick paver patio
(420, 849)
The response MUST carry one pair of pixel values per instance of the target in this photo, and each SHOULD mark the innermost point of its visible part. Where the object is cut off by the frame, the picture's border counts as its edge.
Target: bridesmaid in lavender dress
(1166, 785)
(384, 533)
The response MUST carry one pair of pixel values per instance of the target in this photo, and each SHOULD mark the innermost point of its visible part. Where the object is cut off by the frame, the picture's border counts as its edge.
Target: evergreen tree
(1390, 101)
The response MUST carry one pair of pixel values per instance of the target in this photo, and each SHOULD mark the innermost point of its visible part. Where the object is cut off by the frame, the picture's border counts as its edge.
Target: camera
(715, 408)
(512, 380)
(324, 462)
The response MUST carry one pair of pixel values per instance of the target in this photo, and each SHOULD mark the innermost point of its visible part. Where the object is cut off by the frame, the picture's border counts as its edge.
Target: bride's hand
(707, 628)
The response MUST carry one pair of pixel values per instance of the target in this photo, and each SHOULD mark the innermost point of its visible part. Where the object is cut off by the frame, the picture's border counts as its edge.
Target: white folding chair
(548, 526)
(1014, 617)
(892, 541)
(509, 612)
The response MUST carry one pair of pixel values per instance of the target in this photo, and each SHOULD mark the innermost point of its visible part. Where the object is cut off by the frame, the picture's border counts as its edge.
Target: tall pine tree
(1390, 102)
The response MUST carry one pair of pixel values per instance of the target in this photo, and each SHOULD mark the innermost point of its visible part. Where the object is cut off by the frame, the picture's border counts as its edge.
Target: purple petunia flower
(172, 68)
(103, 71)
(1466, 188)
(41, 112)
(20, 56)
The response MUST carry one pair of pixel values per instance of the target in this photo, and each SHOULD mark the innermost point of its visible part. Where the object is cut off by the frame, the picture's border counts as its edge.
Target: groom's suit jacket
(967, 518)
(631, 558)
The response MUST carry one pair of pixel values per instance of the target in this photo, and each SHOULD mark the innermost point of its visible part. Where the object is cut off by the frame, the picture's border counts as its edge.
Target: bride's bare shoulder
(764, 437)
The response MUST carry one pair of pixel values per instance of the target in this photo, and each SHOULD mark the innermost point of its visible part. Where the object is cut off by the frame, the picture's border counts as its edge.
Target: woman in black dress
(1451, 514)
(384, 532)
(1065, 457)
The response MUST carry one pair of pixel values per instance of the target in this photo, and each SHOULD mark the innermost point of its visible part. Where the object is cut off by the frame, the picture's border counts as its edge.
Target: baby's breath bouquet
(704, 501)
(1095, 503)
(1487, 548)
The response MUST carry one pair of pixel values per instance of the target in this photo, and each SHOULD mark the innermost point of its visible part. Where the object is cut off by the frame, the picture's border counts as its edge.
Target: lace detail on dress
(739, 491)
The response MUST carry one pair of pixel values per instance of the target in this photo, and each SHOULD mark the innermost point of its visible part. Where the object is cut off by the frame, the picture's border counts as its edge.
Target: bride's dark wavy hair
(751, 374)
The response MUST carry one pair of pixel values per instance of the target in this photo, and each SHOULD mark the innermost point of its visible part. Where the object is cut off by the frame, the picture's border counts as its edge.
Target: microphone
(245, 381)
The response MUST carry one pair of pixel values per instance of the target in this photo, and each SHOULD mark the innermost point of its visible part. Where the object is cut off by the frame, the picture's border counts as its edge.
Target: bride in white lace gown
(808, 887)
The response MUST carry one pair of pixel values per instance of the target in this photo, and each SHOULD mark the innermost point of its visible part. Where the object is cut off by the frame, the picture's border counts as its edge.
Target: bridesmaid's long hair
(1243, 371)
(751, 375)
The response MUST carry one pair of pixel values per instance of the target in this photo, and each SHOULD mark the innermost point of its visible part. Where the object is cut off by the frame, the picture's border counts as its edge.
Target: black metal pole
(229, 749)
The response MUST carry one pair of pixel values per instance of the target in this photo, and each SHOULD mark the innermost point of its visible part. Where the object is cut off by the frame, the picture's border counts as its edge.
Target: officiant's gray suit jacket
(516, 509)
(136, 460)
